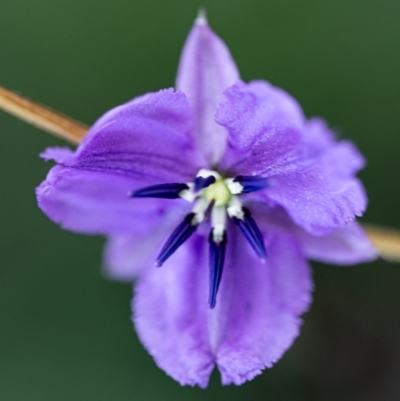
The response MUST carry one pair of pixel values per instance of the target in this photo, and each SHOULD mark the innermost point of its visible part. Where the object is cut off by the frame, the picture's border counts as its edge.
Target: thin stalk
(385, 240)
(42, 117)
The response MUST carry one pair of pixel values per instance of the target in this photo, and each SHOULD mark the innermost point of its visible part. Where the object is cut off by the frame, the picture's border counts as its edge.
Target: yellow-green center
(219, 192)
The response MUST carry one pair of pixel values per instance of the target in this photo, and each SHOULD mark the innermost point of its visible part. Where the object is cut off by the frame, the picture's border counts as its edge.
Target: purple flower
(231, 189)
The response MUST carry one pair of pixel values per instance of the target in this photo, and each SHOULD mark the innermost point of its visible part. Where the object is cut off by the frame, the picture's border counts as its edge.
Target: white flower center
(220, 195)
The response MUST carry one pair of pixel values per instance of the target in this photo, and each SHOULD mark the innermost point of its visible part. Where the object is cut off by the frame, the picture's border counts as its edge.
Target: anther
(252, 233)
(177, 238)
(165, 191)
(217, 257)
(201, 182)
(249, 183)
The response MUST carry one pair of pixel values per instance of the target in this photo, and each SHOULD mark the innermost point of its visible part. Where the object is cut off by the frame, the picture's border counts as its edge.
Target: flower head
(229, 188)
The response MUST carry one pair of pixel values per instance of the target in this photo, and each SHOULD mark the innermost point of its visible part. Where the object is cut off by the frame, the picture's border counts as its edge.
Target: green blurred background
(65, 331)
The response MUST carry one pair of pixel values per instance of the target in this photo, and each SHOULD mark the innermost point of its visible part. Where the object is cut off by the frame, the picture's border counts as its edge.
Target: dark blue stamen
(252, 233)
(201, 182)
(165, 191)
(177, 238)
(217, 257)
(251, 183)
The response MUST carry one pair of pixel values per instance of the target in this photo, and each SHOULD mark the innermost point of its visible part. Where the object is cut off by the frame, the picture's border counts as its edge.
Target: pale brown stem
(386, 241)
(42, 117)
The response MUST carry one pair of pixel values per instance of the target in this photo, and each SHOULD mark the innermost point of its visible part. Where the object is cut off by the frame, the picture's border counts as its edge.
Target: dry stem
(42, 117)
(386, 240)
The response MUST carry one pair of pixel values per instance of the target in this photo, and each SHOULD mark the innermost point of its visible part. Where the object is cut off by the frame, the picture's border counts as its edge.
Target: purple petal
(318, 138)
(308, 173)
(58, 154)
(256, 318)
(170, 314)
(269, 135)
(95, 202)
(259, 306)
(343, 246)
(206, 69)
(149, 139)
(318, 197)
(143, 142)
(113, 114)
(264, 125)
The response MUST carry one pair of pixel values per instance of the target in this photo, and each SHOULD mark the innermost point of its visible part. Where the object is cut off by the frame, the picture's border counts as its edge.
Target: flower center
(217, 198)
(218, 192)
